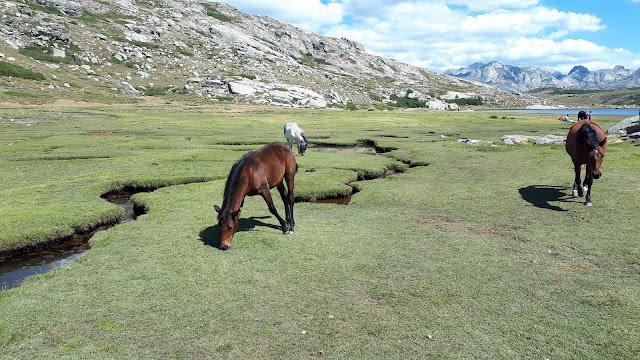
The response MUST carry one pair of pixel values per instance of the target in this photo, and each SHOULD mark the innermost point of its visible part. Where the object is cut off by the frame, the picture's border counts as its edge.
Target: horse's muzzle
(597, 175)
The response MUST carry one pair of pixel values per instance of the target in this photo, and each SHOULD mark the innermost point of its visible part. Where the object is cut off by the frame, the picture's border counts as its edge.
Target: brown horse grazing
(586, 144)
(256, 173)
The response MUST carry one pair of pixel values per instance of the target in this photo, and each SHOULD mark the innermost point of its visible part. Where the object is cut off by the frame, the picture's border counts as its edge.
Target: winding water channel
(14, 269)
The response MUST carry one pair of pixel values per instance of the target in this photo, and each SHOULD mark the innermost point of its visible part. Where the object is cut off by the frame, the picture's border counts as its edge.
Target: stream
(14, 269)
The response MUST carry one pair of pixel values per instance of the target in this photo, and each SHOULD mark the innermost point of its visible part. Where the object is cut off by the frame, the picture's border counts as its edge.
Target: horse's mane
(232, 180)
(588, 136)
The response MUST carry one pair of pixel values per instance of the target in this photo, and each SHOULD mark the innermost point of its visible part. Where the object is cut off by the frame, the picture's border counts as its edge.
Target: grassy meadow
(467, 251)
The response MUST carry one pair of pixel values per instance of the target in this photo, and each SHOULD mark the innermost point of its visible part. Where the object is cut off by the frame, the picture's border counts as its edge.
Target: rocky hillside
(212, 51)
(525, 78)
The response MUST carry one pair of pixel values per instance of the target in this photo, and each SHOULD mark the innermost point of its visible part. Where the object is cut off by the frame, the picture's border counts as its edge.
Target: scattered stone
(57, 52)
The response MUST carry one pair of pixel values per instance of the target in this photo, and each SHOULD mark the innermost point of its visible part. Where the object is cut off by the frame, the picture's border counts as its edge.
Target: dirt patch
(454, 225)
(75, 103)
(563, 268)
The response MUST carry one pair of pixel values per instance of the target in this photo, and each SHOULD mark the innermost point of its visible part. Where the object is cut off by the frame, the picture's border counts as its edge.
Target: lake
(571, 112)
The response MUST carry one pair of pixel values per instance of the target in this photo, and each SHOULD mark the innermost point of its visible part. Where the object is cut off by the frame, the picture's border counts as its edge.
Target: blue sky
(449, 34)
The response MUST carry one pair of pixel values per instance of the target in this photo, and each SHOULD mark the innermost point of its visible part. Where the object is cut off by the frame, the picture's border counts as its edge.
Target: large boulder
(241, 88)
(550, 140)
(625, 127)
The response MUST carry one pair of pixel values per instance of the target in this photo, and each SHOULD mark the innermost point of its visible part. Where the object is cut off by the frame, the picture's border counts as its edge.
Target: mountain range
(194, 48)
(526, 78)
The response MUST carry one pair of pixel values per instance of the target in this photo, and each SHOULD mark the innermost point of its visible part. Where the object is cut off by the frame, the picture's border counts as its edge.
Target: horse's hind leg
(266, 195)
(288, 210)
(290, 200)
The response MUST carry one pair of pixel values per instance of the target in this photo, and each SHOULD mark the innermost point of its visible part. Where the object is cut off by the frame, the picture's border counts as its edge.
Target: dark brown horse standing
(586, 144)
(256, 173)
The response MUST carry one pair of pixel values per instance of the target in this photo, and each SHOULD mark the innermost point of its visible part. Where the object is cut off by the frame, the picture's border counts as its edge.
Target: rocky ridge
(212, 51)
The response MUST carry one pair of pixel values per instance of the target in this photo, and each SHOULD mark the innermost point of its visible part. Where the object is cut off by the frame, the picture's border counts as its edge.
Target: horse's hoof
(290, 232)
(587, 203)
(575, 193)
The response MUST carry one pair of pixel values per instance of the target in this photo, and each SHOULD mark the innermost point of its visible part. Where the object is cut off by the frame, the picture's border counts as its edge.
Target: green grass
(480, 253)
(20, 94)
(7, 69)
(156, 90)
(309, 60)
(214, 13)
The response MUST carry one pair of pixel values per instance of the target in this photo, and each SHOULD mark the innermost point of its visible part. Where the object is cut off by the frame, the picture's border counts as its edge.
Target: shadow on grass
(211, 235)
(542, 196)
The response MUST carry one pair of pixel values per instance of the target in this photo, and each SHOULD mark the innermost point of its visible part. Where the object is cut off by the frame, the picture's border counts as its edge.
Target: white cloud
(312, 15)
(488, 5)
(445, 34)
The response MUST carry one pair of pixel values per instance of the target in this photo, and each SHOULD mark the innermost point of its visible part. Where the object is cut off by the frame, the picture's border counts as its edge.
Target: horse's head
(593, 148)
(302, 147)
(228, 224)
(594, 161)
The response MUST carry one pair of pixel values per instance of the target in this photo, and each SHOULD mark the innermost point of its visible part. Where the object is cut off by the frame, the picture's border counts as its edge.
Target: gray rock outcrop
(628, 128)
(538, 140)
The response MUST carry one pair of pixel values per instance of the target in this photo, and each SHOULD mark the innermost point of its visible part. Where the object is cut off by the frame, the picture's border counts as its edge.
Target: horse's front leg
(577, 189)
(266, 195)
(588, 181)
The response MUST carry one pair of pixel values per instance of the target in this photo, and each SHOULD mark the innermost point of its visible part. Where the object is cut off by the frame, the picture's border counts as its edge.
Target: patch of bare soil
(450, 224)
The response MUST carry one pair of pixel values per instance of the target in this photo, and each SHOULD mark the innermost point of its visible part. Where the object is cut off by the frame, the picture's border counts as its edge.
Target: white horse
(294, 134)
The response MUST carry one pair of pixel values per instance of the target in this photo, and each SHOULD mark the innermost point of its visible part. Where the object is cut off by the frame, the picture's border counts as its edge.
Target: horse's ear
(235, 213)
(217, 208)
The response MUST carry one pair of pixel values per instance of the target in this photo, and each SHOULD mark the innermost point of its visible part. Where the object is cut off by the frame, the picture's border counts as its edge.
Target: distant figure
(566, 118)
(294, 134)
(582, 115)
